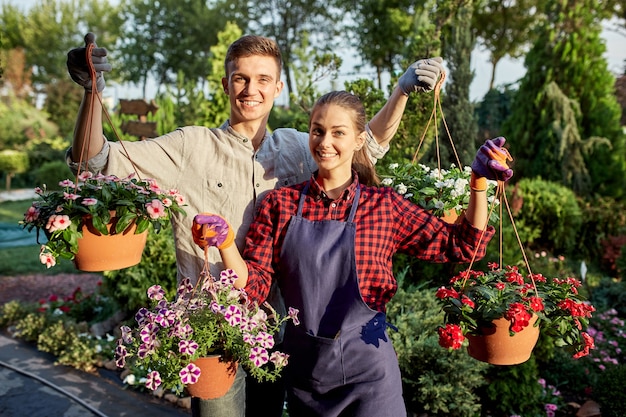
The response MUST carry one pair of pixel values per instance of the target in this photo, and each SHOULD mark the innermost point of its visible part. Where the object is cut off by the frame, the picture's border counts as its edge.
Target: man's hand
(491, 161)
(212, 230)
(78, 68)
(421, 76)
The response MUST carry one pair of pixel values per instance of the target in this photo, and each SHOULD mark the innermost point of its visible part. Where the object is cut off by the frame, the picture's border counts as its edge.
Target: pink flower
(31, 215)
(156, 292)
(47, 259)
(293, 314)
(58, 222)
(89, 201)
(155, 209)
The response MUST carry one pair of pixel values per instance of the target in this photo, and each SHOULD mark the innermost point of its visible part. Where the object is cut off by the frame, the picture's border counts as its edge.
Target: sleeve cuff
(95, 164)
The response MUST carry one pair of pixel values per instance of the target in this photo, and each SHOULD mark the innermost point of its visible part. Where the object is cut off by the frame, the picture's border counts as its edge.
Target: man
(224, 170)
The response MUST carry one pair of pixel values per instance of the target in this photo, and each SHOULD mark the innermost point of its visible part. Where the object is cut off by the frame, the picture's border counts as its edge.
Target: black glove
(78, 68)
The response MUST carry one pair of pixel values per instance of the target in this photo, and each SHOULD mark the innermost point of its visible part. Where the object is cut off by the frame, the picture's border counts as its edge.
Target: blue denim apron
(341, 361)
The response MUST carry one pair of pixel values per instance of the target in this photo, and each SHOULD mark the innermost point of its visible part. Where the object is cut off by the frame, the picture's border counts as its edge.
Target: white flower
(130, 379)
(401, 189)
(387, 182)
(393, 166)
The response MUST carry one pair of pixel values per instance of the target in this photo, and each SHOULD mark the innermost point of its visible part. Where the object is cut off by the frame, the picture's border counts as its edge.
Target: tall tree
(177, 35)
(505, 28)
(459, 111)
(289, 21)
(566, 71)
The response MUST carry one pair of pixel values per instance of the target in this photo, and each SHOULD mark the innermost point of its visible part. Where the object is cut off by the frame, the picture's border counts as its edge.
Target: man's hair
(250, 45)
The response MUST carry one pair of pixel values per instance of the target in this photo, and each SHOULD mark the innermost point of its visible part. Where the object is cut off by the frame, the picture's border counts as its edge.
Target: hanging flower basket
(498, 347)
(100, 252)
(112, 208)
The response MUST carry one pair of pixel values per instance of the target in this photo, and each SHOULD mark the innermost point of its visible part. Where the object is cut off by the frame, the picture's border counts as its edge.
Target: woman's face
(333, 139)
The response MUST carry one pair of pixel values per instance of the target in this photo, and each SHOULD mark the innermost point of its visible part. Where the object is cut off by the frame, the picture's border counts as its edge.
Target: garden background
(564, 123)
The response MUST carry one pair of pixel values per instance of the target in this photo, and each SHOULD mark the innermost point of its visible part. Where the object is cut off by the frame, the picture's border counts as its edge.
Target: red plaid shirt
(386, 223)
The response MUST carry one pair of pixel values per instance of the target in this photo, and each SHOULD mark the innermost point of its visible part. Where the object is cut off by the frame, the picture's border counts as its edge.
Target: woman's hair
(361, 162)
(250, 45)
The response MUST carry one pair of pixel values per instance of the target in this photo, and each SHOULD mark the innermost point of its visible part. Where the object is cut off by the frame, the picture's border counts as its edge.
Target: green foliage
(158, 265)
(29, 328)
(12, 312)
(68, 341)
(51, 174)
(610, 293)
(549, 217)
(435, 381)
(609, 392)
(11, 163)
(513, 390)
(566, 105)
(603, 217)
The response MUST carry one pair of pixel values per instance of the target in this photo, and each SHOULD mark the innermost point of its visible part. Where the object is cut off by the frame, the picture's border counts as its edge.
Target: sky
(508, 70)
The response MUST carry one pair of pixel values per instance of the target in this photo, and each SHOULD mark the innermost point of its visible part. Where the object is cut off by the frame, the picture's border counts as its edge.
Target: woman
(329, 243)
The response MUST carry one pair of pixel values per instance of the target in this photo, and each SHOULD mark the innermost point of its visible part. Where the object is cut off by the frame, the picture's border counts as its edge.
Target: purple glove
(212, 230)
(77, 64)
(491, 160)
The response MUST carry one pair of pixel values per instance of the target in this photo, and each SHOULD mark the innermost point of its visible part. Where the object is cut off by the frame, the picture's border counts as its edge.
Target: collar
(316, 191)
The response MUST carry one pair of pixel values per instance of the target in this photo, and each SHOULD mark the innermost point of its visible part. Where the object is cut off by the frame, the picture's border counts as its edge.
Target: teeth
(251, 103)
(327, 155)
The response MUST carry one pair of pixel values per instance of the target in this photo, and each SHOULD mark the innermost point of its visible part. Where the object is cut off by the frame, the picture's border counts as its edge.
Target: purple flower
(265, 340)
(156, 292)
(153, 380)
(279, 359)
(293, 314)
(259, 356)
(187, 347)
(127, 334)
(189, 374)
(233, 315)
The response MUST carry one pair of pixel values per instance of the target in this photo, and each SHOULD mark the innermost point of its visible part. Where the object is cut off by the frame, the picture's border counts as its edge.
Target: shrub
(128, 286)
(51, 173)
(548, 217)
(434, 380)
(609, 392)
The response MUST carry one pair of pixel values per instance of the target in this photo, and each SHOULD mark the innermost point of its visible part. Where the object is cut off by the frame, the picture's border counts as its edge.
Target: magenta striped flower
(153, 380)
(189, 374)
(259, 356)
(187, 347)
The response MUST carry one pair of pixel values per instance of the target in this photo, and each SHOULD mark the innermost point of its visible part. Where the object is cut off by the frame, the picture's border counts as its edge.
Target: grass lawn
(24, 260)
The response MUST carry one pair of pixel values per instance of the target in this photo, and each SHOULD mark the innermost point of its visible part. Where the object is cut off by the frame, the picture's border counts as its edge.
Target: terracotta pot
(98, 252)
(216, 378)
(452, 217)
(497, 347)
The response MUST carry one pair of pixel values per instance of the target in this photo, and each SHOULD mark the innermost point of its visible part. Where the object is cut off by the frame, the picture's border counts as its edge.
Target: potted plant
(102, 204)
(475, 299)
(444, 192)
(212, 318)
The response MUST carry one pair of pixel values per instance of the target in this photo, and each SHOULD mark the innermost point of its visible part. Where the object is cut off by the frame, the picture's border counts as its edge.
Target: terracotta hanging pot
(98, 252)
(497, 347)
(216, 378)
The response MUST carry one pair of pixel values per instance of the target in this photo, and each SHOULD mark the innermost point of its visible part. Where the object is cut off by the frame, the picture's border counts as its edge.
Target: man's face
(252, 84)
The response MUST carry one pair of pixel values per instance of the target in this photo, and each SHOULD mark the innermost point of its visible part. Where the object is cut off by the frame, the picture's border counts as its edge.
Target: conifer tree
(564, 125)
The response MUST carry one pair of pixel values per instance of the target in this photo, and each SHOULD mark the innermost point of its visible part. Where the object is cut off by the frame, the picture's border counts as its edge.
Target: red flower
(451, 336)
(518, 316)
(536, 303)
(589, 344)
(444, 292)
(467, 301)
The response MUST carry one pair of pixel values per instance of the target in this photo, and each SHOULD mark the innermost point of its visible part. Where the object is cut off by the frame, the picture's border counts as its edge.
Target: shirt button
(245, 140)
(257, 185)
(333, 205)
(219, 184)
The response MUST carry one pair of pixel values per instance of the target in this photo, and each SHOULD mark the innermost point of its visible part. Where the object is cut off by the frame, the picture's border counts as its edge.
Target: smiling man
(224, 170)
